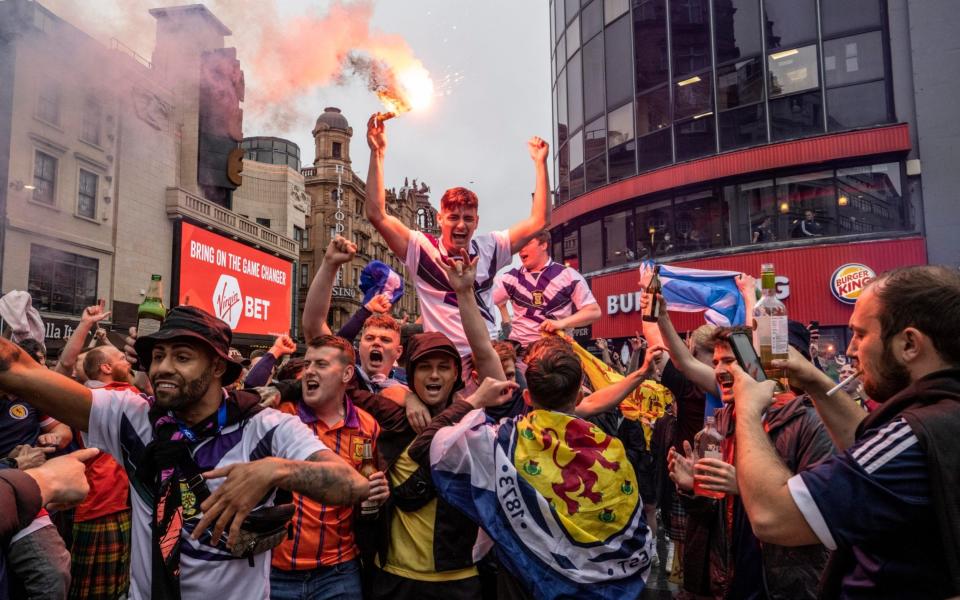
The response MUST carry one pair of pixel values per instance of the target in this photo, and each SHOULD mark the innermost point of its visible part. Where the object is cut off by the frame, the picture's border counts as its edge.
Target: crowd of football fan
(499, 460)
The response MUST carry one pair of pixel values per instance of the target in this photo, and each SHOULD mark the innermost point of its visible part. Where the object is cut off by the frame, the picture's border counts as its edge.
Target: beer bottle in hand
(707, 445)
(151, 312)
(652, 314)
(368, 510)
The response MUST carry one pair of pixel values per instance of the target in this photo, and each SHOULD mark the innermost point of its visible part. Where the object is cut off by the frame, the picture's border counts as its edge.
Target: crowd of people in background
(464, 456)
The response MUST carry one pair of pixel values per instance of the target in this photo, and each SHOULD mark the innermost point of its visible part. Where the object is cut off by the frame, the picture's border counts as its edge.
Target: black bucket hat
(433, 342)
(192, 323)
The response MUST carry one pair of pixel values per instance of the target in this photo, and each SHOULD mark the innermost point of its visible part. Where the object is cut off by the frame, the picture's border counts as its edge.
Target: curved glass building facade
(695, 131)
(272, 150)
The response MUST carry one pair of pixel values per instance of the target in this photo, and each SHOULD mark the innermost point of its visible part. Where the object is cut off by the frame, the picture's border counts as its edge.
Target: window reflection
(591, 247)
(739, 83)
(591, 19)
(650, 42)
(654, 149)
(702, 222)
(743, 127)
(575, 93)
(618, 239)
(796, 116)
(614, 8)
(622, 148)
(809, 203)
(840, 16)
(593, 78)
(690, 29)
(653, 110)
(736, 28)
(793, 70)
(695, 137)
(790, 22)
(573, 37)
(619, 62)
(848, 106)
(853, 59)
(870, 199)
(654, 230)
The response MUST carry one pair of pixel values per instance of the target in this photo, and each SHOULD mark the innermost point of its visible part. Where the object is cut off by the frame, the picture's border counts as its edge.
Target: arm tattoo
(327, 478)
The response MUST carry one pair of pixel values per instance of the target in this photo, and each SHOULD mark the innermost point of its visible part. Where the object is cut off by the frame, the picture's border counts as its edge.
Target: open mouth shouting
(459, 238)
(725, 381)
(311, 385)
(376, 357)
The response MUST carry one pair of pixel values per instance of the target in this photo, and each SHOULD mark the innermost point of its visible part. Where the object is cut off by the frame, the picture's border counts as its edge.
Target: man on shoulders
(458, 219)
(888, 503)
(546, 296)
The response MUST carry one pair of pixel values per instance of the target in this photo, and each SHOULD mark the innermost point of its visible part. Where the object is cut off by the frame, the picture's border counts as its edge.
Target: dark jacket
(931, 406)
(801, 440)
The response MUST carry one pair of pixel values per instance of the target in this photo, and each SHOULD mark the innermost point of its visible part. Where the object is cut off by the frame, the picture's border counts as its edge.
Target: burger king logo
(848, 282)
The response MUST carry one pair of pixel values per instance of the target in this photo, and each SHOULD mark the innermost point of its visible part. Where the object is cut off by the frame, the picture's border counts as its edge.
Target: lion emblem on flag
(580, 470)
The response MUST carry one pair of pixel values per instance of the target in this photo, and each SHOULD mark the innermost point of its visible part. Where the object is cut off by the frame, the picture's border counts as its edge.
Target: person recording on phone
(722, 558)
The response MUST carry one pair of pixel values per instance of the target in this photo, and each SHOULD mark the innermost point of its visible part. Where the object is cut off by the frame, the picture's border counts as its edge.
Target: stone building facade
(337, 198)
(102, 156)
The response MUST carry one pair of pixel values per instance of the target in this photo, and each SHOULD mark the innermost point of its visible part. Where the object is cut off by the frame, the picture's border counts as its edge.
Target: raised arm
(611, 396)
(700, 374)
(761, 474)
(539, 218)
(394, 232)
(583, 317)
(317, 305)
(461, 274)
(74, 345)
(49, 392)
(839, 413)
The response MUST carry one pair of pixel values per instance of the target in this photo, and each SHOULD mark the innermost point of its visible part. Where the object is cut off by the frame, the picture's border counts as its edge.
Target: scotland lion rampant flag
(379, 278)
(557, 496)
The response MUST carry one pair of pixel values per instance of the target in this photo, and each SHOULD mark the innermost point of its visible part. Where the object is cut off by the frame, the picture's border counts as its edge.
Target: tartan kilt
(676, 525)
(100, 554)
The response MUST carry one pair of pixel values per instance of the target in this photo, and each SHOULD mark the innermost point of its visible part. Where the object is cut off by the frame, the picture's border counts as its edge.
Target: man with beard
(546, 296)
(197, 456)
(889, 503)
(723, 558)
(458, 219)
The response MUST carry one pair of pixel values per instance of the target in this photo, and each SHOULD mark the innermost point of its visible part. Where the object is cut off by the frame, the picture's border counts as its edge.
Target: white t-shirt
(438, 301)
(555, 292)
(119, 424)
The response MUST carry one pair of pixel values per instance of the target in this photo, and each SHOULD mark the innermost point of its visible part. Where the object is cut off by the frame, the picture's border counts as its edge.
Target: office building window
(618, 56)
(742, 127)
(620, 142)
(48, 103)
(736, 26)
(654, 230)
(262, 221)
(790, 22)
(44, 178)
(299, 236)
(591, 19)
(90, 125)
(575, 93)
(87, 194)
(60, 281)
(618, 239)
(796, 116)
(841, 16)
(593, 78)
(794, 70)
(614, 8)
(591, 247)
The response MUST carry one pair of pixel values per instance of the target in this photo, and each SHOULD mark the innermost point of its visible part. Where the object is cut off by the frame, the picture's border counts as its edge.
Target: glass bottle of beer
(654, 288)
(151, 311)
(368, 467)
(707, 445)
(771, 318)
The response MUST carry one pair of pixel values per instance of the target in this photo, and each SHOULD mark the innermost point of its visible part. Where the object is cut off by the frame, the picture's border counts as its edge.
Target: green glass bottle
(151, 311)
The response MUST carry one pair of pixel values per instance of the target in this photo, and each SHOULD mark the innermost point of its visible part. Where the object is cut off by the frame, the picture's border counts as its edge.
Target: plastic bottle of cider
(367, 468)
(151, 312)
(772, 328)
(707, 445)
(654, 288)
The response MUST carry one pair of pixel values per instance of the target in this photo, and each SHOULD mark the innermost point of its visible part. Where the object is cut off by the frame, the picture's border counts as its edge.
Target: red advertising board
(816, 283)
(247, 288)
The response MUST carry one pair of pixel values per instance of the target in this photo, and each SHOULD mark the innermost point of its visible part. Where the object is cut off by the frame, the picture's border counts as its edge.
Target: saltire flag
(696, 290)
(645, 404)
(557, 496)
(378, 278)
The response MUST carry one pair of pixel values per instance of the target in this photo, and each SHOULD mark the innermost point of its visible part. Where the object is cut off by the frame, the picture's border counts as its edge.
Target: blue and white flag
(378, 278)
(696, 290)
(557, 496)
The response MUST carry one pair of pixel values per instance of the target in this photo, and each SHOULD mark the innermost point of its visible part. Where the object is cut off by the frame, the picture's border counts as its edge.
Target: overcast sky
(476, 136)
(496, 51)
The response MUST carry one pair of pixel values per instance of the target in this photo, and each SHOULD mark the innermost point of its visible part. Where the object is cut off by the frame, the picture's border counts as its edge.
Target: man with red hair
(458, 222)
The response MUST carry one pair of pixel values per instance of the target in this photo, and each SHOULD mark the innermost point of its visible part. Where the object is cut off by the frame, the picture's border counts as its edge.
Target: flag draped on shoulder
(696, 290)
(556, 495)
(645, 404)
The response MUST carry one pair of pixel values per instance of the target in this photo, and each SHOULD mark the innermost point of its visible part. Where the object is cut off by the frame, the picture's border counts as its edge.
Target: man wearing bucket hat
(203, 462)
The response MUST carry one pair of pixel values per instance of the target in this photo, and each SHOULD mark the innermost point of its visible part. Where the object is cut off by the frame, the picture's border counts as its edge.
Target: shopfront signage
(848, 281)
(248, 289)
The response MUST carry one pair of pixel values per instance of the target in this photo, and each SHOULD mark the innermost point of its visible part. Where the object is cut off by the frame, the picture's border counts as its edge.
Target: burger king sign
(848, 282)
